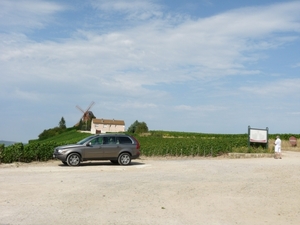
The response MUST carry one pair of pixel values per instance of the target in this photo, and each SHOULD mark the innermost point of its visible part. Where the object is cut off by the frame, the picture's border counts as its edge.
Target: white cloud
(151, 54)
(20, 15)
(25, 95)
(137, 105)
(257, 22)
(199, 109)
(218, 45)
(133, 9)
(282, 88)
(294, 113)
(296, 65)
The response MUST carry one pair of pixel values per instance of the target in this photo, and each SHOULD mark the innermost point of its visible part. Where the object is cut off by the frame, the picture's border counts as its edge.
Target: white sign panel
(258, 136)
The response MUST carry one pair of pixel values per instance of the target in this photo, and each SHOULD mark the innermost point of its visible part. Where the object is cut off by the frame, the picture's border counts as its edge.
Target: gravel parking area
(153, 191)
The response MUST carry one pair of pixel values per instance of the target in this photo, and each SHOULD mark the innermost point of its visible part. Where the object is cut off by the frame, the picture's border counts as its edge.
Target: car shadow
(103, 163)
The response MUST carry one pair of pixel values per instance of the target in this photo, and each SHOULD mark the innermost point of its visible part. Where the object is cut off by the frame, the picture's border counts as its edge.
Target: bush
(1, 150)
(12, 153)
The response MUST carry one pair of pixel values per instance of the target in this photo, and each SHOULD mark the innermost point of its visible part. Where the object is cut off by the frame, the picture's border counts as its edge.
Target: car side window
(96, 141)
(105, 140)
(109, 140)
(124, 140)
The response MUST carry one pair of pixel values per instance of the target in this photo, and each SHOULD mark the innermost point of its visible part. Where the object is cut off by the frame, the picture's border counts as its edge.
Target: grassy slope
(71, 136)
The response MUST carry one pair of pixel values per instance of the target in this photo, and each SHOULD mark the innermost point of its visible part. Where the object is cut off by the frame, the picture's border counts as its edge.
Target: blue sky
(195, 65)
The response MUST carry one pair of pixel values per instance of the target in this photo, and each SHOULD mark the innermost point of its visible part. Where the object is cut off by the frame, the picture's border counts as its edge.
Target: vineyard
(189, 144)
(154, 143)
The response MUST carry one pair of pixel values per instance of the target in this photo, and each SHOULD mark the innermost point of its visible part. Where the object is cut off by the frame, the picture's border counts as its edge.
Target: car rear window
(124, 140)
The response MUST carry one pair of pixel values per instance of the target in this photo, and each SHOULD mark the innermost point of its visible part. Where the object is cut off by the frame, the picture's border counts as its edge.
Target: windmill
(87, 114)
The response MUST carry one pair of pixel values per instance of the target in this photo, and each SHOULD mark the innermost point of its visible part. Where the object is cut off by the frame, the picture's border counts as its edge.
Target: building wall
(103, 128)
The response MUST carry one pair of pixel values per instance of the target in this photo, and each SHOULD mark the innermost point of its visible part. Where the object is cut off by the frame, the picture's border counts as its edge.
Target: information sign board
(258, 136)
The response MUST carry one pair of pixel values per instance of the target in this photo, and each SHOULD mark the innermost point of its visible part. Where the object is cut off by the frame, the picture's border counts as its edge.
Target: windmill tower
(86, 116)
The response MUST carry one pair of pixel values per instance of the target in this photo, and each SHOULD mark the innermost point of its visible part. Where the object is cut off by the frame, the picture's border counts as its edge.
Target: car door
(94, 149)
(125, 143)
(110, 147)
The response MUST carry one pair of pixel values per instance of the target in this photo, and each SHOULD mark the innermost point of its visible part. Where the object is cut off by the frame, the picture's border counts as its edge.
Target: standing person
(277, 147)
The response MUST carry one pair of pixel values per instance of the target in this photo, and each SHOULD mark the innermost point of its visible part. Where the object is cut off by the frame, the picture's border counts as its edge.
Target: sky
(206, 66)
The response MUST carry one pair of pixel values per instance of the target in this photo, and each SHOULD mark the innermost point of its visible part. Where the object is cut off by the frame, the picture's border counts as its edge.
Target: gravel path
(153, 191)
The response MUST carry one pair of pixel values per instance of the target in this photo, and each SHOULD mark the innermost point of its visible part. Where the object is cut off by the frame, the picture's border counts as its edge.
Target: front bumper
(59, 156)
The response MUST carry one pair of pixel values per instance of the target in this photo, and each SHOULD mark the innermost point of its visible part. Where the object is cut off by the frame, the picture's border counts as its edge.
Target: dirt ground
(190, 191)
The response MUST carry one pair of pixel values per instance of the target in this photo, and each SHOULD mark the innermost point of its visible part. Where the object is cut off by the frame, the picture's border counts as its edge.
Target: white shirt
(278, 142)
(278, 145)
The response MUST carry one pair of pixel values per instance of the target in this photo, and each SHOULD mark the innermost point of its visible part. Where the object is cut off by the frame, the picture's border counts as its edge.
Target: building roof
(108, 121)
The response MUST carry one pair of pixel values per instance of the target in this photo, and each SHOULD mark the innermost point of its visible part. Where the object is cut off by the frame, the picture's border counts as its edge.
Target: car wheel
(114, 161)
(73, 159)
(124, 159)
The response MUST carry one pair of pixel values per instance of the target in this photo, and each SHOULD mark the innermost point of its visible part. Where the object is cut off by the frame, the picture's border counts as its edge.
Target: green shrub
(1, 150)
(12, 153)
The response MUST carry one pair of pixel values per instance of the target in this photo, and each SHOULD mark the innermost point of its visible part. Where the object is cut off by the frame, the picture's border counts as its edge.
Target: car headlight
(62, 151)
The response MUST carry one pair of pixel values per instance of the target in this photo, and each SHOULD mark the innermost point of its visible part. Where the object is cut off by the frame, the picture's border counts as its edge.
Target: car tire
(124, 159)
(114, 161)
(73, 159)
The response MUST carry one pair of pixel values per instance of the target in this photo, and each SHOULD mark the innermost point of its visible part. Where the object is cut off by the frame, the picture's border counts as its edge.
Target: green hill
(69, 136)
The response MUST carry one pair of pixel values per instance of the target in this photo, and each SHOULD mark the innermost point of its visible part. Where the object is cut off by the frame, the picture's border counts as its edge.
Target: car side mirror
(89, 144)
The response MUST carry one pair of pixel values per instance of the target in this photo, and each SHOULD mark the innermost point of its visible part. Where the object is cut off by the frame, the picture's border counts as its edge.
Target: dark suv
(118, 148)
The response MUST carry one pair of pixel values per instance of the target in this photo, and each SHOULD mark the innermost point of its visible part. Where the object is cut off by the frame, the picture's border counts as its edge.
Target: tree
(133, 126)
(141, 128)
(138, 127)
(62, 123)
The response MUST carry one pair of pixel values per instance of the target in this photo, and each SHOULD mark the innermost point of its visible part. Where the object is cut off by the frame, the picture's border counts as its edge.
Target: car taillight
(137, 143)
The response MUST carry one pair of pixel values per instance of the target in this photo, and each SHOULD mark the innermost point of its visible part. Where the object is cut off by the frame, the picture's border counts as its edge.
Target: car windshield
(85, 140)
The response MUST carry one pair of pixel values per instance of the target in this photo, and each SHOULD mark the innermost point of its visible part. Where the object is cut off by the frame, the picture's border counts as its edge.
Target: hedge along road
(153, 191)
